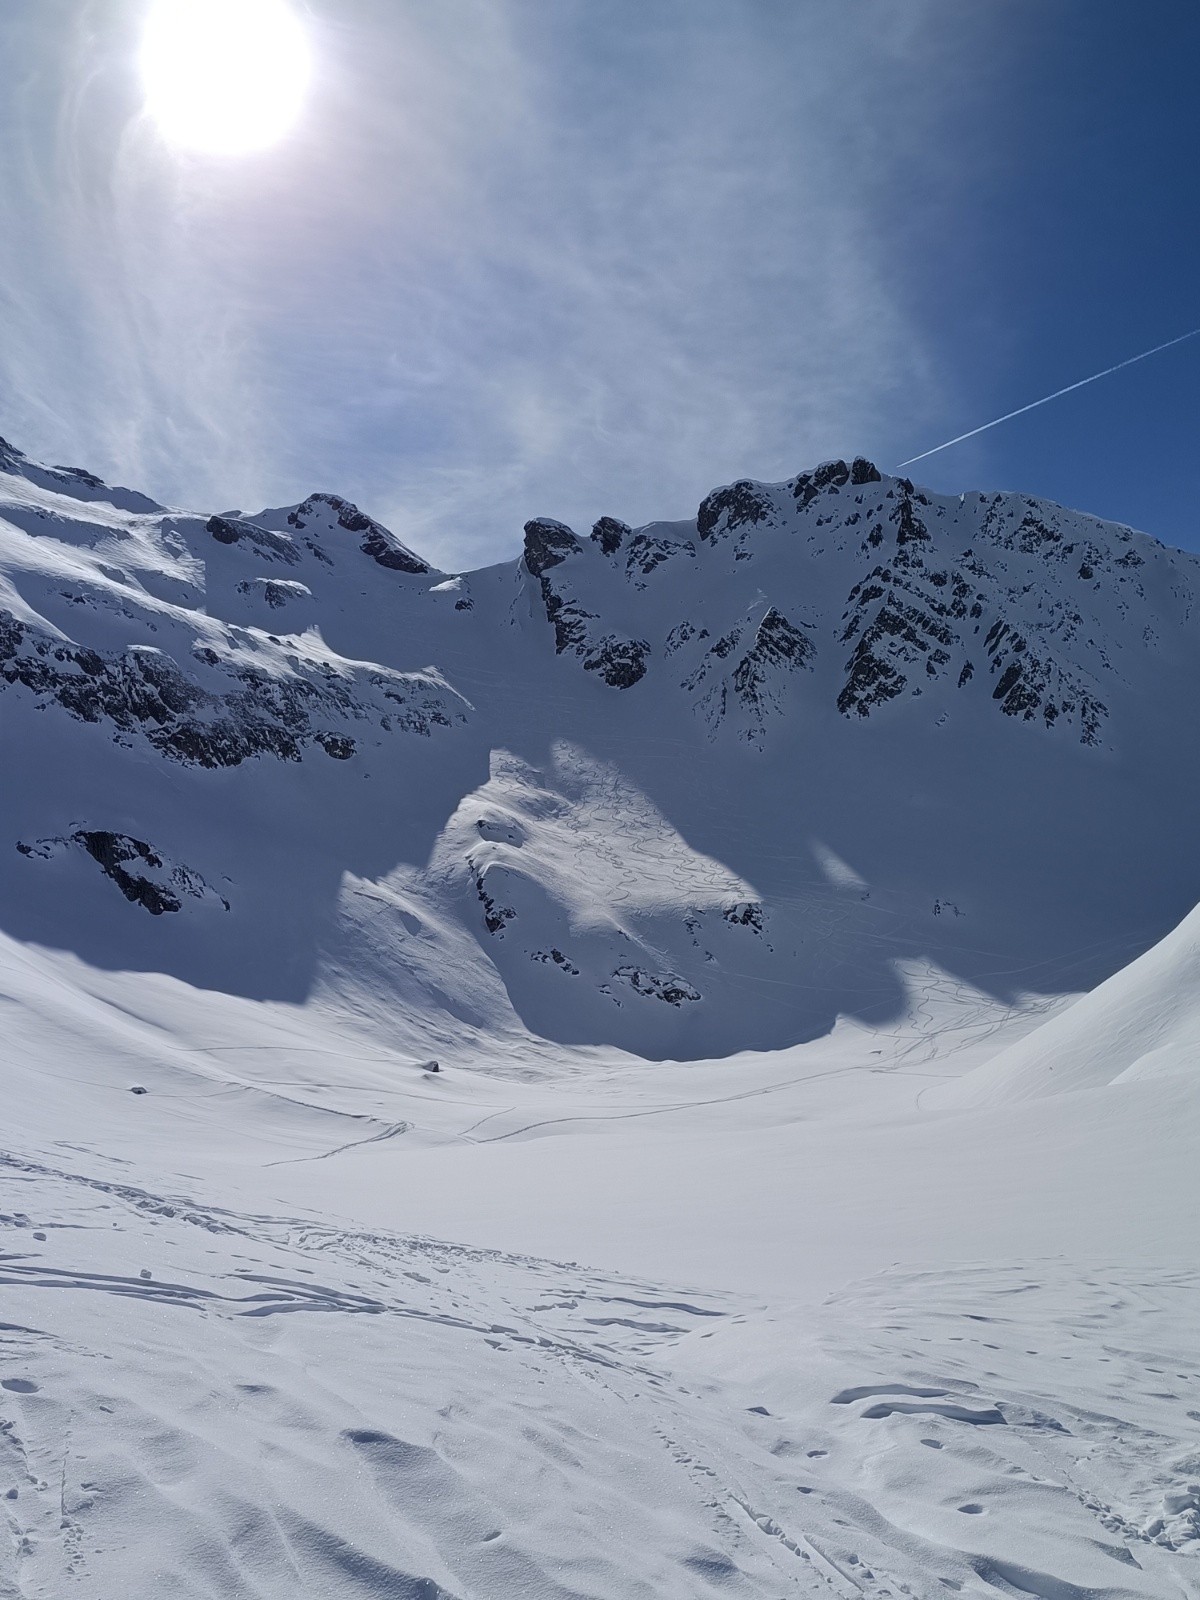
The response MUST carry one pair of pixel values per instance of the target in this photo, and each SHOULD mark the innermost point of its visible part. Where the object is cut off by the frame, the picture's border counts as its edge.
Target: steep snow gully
(798, 901)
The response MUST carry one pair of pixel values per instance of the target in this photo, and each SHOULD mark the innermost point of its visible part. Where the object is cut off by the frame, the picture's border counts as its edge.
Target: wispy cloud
(519, 258)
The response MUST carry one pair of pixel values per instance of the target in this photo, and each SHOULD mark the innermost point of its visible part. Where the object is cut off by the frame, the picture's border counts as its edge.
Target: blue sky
(570, 257)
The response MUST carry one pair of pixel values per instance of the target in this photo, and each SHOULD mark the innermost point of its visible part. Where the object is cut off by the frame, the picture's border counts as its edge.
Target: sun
(224, 76)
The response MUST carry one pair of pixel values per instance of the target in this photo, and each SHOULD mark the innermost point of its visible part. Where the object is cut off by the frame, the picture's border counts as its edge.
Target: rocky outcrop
(754, 684)
(644, 554)
(141, 873)
(725, 510)
(620, 662)
(917, 618)
(832, 476)
(496, 916)
(779, 649)
(375, 540)
(666, 987)
(547, 543)
(259, 541)
(275, 592)
(144, 693)
(609, 534)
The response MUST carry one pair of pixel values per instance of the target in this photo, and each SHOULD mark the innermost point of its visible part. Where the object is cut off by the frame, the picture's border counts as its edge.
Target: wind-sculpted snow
(206, 1401)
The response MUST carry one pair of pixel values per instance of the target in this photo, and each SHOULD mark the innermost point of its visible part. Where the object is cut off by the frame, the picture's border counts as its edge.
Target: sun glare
(224, 76)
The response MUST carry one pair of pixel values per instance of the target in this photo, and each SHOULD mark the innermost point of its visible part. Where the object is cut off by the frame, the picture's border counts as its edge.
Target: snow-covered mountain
(880, 1282)
(688, 789)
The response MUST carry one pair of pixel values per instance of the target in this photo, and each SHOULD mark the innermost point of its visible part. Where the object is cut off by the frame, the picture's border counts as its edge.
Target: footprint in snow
(18, 1386)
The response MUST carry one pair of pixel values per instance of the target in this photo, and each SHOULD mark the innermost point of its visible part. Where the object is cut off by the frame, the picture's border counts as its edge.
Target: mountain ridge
(606, 779)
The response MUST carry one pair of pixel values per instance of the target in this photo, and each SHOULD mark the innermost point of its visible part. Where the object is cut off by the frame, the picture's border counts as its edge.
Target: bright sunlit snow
(224, 76)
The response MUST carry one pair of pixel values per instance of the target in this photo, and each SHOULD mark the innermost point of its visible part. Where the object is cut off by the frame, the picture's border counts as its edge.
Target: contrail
(1046, 399)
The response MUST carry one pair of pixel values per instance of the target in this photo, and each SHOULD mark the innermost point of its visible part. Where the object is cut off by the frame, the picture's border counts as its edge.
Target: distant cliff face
(1009, 599)
(688, 788)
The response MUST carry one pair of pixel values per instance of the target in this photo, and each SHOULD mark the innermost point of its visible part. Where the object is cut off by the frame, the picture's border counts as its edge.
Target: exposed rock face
(619, 662)
(496, 916)
(747, 914)
(275, 592)
(547, 543)
(140, 872)
(754, 686)
(545, 957)
(609, 534)
(377, 541)
(238, 531)
(280, 712)
(728, 509)
(644, 554)
(917, 619)
(671, 990)
(778, 649)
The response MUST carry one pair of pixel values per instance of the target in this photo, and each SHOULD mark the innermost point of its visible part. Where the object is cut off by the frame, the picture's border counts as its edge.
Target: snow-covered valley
(778, 1220)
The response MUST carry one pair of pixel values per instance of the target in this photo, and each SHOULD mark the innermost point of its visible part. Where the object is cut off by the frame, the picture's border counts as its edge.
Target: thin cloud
(507, 264)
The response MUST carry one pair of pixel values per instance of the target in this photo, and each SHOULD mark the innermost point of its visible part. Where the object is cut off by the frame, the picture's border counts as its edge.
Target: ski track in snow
(510, 1426)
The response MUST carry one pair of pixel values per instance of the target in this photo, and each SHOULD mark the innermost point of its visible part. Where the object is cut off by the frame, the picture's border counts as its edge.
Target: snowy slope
(1142, 1024)
(302, 1320)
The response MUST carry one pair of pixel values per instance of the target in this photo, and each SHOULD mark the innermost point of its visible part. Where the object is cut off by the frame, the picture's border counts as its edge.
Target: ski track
(267, 1406)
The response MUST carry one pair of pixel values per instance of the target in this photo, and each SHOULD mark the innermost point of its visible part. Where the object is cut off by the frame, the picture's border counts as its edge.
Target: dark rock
(235, 530)
(910, 528)
(645, 553)
(112, 852)
(608, 534)
(377, 541)
(674, 991)
(733, 507)
(830, 475)
(277, 592)
(495, 916)
(620, 662)
(864, 471)
(559, 960)
(547, 543)
(143, 691)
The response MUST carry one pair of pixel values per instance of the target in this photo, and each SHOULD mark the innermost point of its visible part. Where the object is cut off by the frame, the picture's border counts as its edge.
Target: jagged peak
(547, 542)
(610, 533)
(74, 482)
(378, 542)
